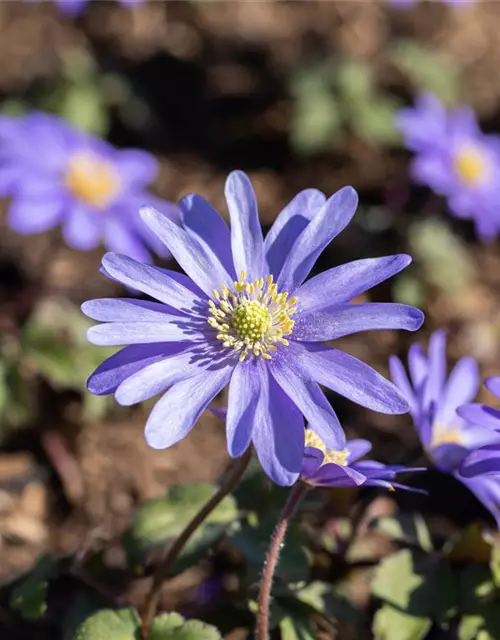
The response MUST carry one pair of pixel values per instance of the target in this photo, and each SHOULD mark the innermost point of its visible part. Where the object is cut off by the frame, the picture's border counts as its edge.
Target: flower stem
(234, 475)
(295, 496)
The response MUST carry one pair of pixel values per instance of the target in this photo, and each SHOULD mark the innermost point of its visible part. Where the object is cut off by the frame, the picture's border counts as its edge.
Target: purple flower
(243, 316)
(435, 400)
(325, 467)
(406, 4)
(75, 7)
(59, 175)
(455, 159)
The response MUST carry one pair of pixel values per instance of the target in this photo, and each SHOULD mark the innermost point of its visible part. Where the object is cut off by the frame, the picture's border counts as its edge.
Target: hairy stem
(295, 496)
(233, 477)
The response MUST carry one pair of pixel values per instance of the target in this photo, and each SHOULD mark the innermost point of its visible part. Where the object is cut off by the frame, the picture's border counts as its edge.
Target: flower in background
(450, 440)
(59, 175)
(243, 316)
(455, 159)
(75, 7)
(406, 4)
(325, 467)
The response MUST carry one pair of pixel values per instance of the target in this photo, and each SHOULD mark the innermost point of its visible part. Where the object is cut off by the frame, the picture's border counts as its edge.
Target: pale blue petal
(400, 379)
(436, 377)
(82, 229)
(349, 377)
(330, 220)
(125, 309)
(341, 284)
(353, 318)
(480, 414)
(461, 388)
(357, 449)
(493, 384)
(121, 333)
(289, 225)
(199, 262)
(30, 215)
(175, 414)
(246, 234)
(242, 404)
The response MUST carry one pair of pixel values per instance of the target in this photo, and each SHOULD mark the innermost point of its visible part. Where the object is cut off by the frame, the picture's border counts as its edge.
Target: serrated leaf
(420, 584)
(29, 598)
(391, 624)
(162, 519)
(109, 624)
(252, 540)
(172, 626)
(405, 527)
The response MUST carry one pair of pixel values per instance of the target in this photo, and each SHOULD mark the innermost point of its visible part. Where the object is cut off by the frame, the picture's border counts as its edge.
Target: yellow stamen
(253, 318)
(92, 179)
(443, 435)
(471, 165)
(339, 457)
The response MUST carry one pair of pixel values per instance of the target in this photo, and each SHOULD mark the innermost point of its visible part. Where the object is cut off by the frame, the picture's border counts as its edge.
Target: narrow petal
(436, 377)
(341, 284)
(418, 366)
(335, 475)
(313, 459)
(289, 225)
(120, 237)
(242, 404)
(199, 262)
(82, 229)
(475, 437)
(493, 385)
(121, 333)
(152, 281)
(400, 379)
(461, 388)
(349, 377)
(158, 376)
(480, 414)
(278, 434)
(28, 215)
(175, 414)
(330, 220)
(353, 318)
(358, 448)
(311, 402)
(487, 491)
(247, 243)
(209, 228)
(118, 367)
(125, 309)
(136, 167)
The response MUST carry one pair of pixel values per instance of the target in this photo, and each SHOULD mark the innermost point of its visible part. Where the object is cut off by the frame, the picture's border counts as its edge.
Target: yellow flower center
(471, 165)
(253, 317)
(92, 179)
(340, 457)
(442, 435)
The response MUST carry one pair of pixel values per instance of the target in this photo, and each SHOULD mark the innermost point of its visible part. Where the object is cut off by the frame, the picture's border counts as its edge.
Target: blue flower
(455, 159)
(243, 316)
(75, 7)
(452, 442)
(325, 467)
(59, 175)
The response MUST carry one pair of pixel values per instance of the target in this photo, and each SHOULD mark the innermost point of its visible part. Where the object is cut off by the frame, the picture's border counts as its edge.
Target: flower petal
(125, 309)
(289, 225)
(118, 367)
(400, 379)
(341, 284)
(311, 402)
(247, 243)
(82, 229)
(152, 281)
(353, 318)
(487, 491)
(172, 329)
(336, 475)
(175, 414)
(480, 414)
(461, 388)
(278, 434)
(243, 399)
(330, 220)
(418, 366)
(358, 448)
(30, 215)
(209, 228)
(493, 384)
(436, 378)
(313, 458)
(158, 376)
(199, 262)
(137, 167)
(119, 237)
(349, 377)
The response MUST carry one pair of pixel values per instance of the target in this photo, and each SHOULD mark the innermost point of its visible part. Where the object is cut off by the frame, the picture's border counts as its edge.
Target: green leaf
(495, 564)
(374, 121)
(420, 584)
(252, 540)
(109, 624)
(50, 357)
(172, 626)
(162, 519)
(295, 628)
(355, 82)
(405, 527)
(469, 627)
(428, 70)
(316, 123)
(29, 598)
(83, 106)
(391, 624)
